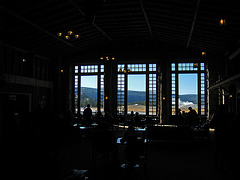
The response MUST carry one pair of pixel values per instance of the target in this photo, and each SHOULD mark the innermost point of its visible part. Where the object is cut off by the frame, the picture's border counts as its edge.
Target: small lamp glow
(24, 60)
(59, 34)
(195, 65)
(70, 33)
(61, 70)
(203, 53)
(222, 22)
(67, 37)
(76, 36)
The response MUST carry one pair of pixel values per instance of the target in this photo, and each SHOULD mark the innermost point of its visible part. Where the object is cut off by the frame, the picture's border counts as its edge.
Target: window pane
(76, 69)
(137, 93)
(188, 91)
(88, 92)
(120, 90)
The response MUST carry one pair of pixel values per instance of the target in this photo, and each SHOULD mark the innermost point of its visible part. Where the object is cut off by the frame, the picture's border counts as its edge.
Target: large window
(188, 83)
(137, 89)
(88, 88)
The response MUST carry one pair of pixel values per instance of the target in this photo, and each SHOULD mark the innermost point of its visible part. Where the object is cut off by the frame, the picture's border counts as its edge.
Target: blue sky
(89, 81)
(137, 82)
(187, 83)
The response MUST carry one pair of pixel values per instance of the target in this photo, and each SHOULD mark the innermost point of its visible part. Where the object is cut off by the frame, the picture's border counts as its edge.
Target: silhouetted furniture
(104, 149)
(84, 131)
(150, 120)
(75, 174)
(201, 131)
(169, 133)
(120, 123)
(141, 150)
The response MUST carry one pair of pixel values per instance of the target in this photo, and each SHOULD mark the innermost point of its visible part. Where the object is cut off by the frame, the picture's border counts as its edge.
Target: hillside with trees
(89, 96)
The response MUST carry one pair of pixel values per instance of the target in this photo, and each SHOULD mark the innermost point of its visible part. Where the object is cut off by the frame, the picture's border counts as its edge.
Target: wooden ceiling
(34, 25)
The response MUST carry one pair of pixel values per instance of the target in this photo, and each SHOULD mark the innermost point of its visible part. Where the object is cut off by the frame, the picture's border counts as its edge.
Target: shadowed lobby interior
(105, 89)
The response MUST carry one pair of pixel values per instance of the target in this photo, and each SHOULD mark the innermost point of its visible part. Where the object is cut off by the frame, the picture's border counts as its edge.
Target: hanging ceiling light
(125, 70)
(108, 58)
(68, 35)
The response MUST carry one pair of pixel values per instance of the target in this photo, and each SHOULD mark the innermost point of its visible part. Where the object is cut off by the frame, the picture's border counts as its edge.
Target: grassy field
(137, 108)
(141, 109)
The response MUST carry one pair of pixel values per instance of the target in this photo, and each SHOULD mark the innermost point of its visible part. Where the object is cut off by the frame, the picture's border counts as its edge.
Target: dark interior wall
(61, 83)
(23, 72)
(225, 70)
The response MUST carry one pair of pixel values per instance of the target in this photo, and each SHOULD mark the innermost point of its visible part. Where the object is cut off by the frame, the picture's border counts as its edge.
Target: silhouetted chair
(104, 148)
(139, 160)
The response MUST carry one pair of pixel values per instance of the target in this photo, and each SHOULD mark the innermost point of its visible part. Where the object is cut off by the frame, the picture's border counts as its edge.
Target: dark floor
(166, 160)
(192, 159)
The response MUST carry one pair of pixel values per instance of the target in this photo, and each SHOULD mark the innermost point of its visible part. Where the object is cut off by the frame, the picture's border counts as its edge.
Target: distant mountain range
(133, 96)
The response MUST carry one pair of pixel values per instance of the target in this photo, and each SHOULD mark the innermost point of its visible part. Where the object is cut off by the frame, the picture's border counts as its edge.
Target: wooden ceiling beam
(146, 17)
(83, 14)
(193, 23)
(22, 50)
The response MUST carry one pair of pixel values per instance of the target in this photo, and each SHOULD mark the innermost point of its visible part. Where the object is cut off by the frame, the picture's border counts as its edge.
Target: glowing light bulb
(222, 22)
(67, 37)
(70, 33)
(203, 53)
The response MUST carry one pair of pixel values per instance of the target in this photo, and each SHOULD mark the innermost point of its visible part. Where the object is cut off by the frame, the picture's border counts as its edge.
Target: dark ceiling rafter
(22, 50)
(38, 27)
(193, 23)
(83, 14)
(187, 24)
(146, 17)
